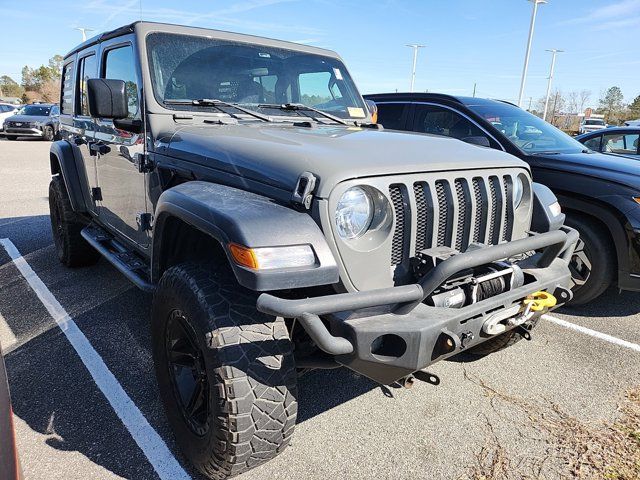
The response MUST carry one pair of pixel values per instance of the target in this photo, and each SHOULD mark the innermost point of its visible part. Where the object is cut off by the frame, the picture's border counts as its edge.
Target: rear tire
(71, 248)
(593, 265)
(225, 371)
(11, 137)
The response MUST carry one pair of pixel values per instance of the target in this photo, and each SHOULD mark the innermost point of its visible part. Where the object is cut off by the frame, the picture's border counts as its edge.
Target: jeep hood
(276, 154)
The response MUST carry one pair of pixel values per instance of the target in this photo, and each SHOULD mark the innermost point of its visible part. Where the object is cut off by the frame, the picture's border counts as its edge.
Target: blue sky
(467, 40)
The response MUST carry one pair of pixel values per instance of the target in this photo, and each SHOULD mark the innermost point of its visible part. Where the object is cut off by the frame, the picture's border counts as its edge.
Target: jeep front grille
(452, 214)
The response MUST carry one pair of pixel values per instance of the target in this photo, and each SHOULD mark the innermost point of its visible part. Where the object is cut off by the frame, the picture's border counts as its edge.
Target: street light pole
(415, 61)
(526, 56)
(84, 32)
(554, 52)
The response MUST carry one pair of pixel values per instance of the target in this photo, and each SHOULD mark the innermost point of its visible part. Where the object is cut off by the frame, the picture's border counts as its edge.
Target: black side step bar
(127, 262)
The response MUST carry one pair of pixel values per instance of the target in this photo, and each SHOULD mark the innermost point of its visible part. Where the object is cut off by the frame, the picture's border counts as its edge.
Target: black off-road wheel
(48, 133)
(593, 265)
(225, 371)
(11, 137)
(500, 342)
(71, 248)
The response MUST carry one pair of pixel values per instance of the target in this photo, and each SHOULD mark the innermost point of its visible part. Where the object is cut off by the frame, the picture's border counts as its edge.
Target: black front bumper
(354, 324)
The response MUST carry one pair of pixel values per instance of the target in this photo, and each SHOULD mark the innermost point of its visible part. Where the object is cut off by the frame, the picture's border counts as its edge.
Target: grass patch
(574, 449)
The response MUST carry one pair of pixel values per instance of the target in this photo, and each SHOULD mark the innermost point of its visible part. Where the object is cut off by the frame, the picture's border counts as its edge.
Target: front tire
(48, 133)
(66, 225)
(225, 371)
(593, 264)
(11, 137)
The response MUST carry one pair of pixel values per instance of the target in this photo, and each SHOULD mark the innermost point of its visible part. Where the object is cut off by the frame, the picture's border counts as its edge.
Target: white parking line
(593, 333)
(7, 337)
(155, 449)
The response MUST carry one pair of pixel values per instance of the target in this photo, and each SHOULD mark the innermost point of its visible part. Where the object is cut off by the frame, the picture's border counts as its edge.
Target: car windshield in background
(529, 133)
(188, 68)
(594, 122)
(35, 111)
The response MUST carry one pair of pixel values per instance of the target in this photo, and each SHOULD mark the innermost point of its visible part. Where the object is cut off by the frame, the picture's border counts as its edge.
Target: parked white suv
(592, 124)
(6, 110)
(632, 123)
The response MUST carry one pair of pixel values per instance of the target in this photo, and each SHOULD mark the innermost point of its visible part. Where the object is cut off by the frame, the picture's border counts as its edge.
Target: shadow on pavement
(612, 303)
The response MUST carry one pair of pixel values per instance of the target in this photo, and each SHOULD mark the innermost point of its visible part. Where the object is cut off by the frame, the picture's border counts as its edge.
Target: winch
(468, 286)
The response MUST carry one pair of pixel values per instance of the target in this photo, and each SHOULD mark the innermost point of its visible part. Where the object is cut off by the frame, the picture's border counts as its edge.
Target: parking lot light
(554, 52)
(415, 60)
(526, 56)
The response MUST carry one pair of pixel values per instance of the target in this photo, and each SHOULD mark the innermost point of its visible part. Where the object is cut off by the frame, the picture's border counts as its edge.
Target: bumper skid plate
(387, 334)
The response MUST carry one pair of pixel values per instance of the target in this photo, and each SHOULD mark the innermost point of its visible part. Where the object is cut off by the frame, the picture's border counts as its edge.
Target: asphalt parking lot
(487, 418)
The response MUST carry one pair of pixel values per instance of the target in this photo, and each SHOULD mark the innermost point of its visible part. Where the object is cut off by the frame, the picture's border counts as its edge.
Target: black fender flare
(612, 223)
(66, 160)
(230, 215)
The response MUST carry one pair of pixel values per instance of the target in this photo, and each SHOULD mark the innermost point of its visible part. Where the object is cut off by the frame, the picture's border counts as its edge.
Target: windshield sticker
(337, 73)
(264, 55)
(356, 112)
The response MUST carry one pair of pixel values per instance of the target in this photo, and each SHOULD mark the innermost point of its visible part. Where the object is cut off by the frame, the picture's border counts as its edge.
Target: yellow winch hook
(539, 301)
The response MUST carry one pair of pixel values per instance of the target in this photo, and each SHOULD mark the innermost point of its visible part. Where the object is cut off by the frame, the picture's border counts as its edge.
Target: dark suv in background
(34, 120)
(599, 193)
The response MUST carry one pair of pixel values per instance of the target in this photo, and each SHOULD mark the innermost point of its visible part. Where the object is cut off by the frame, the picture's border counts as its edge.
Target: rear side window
(392, 115)
(66, 100)
(87, 70)
(593, 143)
(119, 64)
(442, 121)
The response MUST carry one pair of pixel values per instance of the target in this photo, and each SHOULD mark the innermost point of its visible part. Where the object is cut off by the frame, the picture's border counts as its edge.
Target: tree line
(38, 84)
(611, 104)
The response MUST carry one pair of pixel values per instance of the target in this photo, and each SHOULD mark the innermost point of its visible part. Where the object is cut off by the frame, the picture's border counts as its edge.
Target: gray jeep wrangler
(241, 180)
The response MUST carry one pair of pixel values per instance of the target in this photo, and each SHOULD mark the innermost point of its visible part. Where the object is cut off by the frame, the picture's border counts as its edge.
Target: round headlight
(518, 191)
(354, 213)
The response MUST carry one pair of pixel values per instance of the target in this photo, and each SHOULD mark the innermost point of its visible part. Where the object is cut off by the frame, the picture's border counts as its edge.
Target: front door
(122, 186)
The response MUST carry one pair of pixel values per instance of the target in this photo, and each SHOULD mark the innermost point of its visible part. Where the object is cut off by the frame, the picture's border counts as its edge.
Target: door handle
(99, 147)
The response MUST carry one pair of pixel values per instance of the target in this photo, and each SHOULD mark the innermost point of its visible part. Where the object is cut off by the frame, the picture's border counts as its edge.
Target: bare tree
(573, 98)
(585, 95)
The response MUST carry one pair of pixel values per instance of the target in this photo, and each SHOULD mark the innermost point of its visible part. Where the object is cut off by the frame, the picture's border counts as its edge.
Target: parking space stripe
(593, 333)
(155, 449)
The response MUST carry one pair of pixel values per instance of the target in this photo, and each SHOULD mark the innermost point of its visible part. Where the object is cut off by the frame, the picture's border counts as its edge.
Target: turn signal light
(269, 258)
(243, 256)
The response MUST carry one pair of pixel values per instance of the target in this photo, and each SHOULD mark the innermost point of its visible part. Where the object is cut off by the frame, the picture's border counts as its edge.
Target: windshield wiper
(301, 107)
(212, 102)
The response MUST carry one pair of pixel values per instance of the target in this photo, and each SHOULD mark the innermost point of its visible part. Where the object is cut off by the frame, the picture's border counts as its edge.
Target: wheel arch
(602, 215)
(217, 215)
(65, 161)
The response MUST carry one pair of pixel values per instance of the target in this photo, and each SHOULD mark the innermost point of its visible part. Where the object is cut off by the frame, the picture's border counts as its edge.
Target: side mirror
(107, 98)
(373, 110)
(478, 140)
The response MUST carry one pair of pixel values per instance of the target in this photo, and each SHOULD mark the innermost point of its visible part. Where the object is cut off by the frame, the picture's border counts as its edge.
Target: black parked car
(615, 141)
(36, 120)
(599, 193)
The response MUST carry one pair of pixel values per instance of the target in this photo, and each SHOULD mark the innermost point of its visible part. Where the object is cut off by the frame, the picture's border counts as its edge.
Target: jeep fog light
(270, 258)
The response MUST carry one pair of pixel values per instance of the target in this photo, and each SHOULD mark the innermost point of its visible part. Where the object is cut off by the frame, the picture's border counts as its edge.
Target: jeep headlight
(354, 213)
(518, 191)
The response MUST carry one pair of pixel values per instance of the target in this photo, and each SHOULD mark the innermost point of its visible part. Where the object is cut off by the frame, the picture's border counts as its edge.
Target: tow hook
(408, 381)
(516, 315)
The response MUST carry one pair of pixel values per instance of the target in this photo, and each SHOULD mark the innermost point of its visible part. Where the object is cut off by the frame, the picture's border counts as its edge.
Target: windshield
(526, 131)
(594, 122)
(184, 67)
(35, 111)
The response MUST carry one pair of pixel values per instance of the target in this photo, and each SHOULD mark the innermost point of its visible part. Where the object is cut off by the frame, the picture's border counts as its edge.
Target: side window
(66, 100)
(392, 115)
(593, 143)
(54, 111)
(619, 143)
(87, 70)
(119, 64)
(442, 121)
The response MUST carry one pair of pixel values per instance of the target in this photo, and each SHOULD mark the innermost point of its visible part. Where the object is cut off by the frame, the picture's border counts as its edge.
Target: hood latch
(303, 193)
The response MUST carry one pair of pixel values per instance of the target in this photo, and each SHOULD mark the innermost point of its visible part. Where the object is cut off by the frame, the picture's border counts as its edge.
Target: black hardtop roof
(422, 96)
(175, 28)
